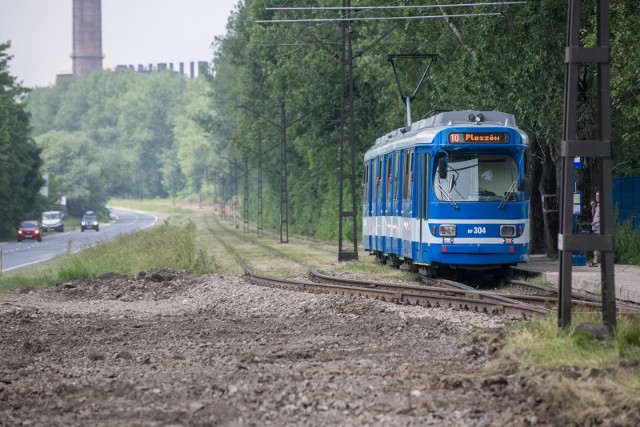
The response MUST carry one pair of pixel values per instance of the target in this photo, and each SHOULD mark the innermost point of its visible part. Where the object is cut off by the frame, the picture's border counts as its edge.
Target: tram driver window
(478, 177)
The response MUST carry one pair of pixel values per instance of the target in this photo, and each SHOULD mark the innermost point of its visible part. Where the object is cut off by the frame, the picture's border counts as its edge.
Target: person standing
(595, 227)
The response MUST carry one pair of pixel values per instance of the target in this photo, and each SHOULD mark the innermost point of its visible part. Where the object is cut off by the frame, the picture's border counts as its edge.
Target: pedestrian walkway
(585, 278)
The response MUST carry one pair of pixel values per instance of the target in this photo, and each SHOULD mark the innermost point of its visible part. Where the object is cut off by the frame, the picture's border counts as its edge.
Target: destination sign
(479, 137)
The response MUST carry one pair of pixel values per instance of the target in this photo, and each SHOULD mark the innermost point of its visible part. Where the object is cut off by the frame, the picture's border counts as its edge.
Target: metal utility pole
(233, 188)
(571, 147)
(347, 171)
(259, 223)
(223, 187)
(284, 194)
(233, 183)
(246, 168)
(245, 203)
(236, 221)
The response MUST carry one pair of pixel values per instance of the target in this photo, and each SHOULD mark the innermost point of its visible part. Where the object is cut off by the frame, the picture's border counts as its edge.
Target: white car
(53, 220)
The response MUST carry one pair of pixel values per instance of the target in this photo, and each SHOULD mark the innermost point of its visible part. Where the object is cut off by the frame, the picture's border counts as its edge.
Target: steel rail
(275, 251)
(547, 295)
(446, 297)
(230, 249)
(452, 288)
(300, 285)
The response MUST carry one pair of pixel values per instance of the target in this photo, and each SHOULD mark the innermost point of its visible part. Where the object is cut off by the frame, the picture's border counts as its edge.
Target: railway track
(548, 297)
(522, 300)
(247, 248)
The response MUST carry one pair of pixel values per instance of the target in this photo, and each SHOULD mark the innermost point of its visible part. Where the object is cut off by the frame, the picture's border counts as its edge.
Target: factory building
(87, 53)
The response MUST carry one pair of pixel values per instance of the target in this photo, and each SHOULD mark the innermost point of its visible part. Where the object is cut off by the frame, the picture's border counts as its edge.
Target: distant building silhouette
(87, 53)
(87, 36)
(203, 68)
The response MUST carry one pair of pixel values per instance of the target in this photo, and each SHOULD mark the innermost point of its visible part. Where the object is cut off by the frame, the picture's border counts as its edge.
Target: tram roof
(424, 130)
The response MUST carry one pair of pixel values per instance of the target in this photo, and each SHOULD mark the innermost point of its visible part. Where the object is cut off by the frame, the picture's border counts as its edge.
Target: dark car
(30, 230)
(89, 221)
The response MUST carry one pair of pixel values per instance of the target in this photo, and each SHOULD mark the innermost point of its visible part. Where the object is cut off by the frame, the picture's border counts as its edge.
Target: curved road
(16, 255)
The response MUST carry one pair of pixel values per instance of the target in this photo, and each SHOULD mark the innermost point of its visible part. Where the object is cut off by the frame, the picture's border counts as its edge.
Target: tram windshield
(478, 178)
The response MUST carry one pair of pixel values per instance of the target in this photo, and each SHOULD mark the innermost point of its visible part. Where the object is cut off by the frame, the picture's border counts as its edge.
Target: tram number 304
(477, 230)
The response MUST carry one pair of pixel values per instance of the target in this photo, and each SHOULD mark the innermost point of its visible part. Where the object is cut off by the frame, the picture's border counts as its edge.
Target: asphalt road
(17, 255)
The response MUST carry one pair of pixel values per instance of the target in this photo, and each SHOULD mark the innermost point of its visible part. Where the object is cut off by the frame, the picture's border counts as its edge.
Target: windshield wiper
(508, 194)
(446, 195)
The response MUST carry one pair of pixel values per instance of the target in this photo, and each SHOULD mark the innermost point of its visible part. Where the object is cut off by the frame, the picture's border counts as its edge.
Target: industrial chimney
(87, 36)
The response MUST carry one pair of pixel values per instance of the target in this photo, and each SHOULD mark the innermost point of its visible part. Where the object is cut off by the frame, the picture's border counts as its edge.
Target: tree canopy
(20, 162)
(513, 62)
(119, 134)
(217, 138)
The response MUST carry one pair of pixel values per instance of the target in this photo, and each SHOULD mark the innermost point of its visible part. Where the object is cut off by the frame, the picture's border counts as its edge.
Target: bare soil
(167, 348)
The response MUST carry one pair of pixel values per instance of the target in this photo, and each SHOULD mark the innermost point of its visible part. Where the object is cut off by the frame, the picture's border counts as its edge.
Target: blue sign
(577, 162)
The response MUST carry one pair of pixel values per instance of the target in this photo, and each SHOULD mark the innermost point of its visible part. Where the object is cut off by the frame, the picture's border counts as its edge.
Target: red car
(29, 230)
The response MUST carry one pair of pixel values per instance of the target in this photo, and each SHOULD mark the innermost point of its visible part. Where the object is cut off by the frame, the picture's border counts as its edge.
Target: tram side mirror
(442, 168)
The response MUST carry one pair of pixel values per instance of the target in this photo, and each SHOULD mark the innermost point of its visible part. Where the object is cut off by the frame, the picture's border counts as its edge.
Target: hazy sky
(133, 32)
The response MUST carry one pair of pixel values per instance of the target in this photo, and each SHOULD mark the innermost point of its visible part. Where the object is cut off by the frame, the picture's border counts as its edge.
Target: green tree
(625, 86)
(129, 120)
(71, 159)
(147, 120)
(194, 150)
(20, 176)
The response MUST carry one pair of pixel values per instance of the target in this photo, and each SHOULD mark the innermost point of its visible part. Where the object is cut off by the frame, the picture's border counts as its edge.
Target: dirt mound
(167, 348)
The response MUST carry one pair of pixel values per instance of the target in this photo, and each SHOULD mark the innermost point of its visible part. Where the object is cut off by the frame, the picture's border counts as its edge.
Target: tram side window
(379, 181)
(527, 162)
(425, 186)
(365, 184)
(396, 173)
(418, 192)
(407, 179)
(389, 182)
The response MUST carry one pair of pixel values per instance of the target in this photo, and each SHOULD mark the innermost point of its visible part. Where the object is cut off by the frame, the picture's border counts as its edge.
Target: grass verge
(162, 247)
(582, 380)
(156, 206)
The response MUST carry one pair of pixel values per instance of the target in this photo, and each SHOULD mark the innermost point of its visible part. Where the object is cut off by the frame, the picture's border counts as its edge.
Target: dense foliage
(120, 134)
(513, 63)
(20, 178)
(158, 135)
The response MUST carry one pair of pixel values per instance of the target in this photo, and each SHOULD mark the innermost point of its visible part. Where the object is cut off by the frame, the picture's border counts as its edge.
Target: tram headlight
(447, 230)
(508, 231)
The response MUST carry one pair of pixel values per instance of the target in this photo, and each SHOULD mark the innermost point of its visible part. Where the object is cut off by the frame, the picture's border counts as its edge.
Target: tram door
(378, 208)
(386, 205)
(418, 194)
(407, 204)
(366, 206)
(395, 206)
(423, 205)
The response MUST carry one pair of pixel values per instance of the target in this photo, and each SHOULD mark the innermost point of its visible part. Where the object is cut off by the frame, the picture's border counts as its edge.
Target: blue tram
(449, 190)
